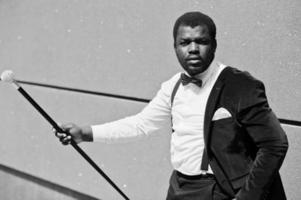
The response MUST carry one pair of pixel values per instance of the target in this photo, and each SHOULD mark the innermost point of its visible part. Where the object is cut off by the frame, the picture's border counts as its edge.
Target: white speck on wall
(259, 23)
(128, 50)
(69, 30)
(196, 3)
(293, 33)
(292, 63)
(280, 63)
(80, 174)
(124, 185)
(101, 22)
(19, 37)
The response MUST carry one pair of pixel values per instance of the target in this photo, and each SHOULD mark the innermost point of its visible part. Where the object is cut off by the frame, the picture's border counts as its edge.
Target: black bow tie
(187, 79)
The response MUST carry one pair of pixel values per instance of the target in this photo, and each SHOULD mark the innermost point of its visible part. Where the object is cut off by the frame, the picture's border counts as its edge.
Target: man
(226, 142)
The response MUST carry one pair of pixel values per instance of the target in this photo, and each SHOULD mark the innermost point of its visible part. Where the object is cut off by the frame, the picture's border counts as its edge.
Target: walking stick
(8, 76)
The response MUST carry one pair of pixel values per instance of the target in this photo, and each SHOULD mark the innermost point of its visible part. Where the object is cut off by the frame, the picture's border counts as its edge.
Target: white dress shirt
(188, 110)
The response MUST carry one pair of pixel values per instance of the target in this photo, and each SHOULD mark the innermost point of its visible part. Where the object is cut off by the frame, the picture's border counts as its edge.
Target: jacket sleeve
(270, 140)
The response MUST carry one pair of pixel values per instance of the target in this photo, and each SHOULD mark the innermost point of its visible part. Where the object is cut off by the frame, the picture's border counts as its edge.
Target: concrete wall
(18, 185)
(109, 46)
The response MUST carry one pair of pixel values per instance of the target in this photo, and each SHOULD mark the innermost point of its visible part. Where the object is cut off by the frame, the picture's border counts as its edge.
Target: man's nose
(193, 48)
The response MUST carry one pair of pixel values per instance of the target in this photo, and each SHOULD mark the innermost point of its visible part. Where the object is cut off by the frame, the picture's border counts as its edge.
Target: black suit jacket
(246, 150)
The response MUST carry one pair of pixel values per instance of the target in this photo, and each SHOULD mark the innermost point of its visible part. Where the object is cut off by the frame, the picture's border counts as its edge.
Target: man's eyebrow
(196, 38)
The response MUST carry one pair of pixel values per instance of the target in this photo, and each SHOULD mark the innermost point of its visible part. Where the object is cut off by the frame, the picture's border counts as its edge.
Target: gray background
(110, 46)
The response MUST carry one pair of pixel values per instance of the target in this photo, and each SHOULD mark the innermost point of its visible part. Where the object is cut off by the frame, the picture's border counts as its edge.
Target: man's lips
(194, 60)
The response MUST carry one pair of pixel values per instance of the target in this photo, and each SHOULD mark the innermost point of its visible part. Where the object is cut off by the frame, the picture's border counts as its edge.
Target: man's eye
(203, 42)
(184, 42)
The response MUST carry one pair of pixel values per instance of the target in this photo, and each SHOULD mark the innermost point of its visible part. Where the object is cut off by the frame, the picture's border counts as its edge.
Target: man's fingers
(66, 136)
(70, 132)
(67, 142)
(65, 139)
(61, 135)
(64, 127)
(67, 127)
(58, 134)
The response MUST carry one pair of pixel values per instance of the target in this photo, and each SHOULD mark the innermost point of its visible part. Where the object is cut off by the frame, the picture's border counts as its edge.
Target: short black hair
(194, 19)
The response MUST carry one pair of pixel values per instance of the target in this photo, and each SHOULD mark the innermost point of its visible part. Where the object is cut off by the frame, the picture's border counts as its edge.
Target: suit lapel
(212, 103)
(210, 109)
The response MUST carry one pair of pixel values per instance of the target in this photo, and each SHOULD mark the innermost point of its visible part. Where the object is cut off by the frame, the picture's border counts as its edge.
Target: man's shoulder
(175, 77)
(238, 83)
(168, 85)
(172, 80)
(235, 76)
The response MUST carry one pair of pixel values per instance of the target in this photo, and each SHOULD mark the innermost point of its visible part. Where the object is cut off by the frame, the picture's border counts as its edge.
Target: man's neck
(204, 76)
